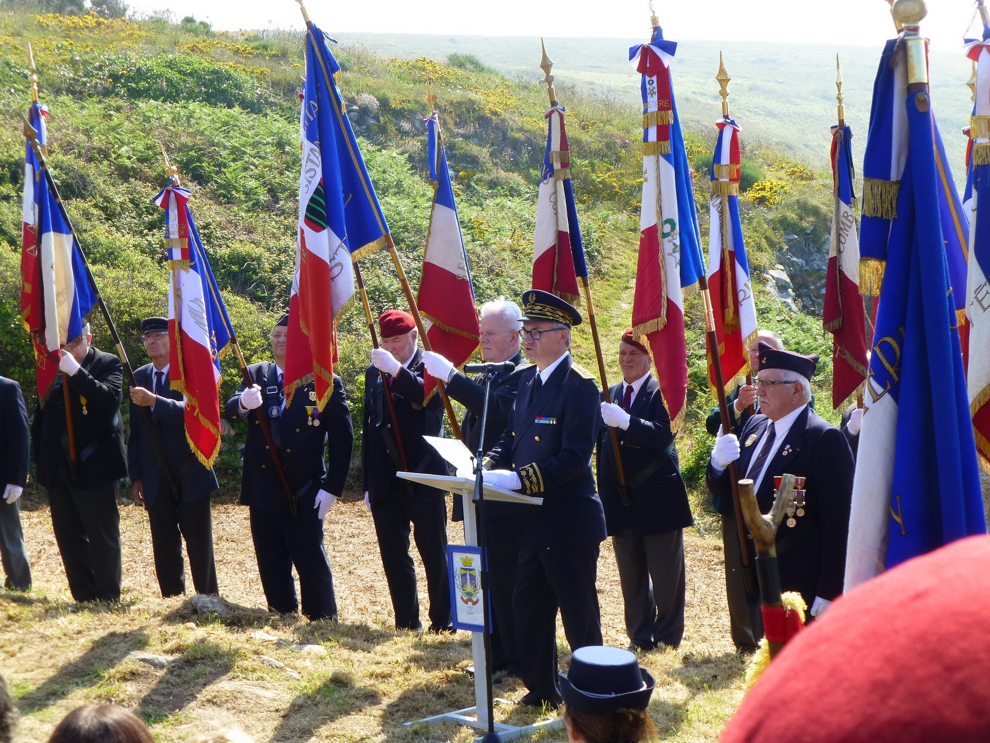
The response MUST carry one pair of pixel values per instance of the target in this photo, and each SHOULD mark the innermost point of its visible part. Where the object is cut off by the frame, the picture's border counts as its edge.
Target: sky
(837, 22)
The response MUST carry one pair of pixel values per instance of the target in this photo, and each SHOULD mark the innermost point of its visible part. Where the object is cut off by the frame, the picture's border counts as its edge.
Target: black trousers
(548, 579)
(171, 522)
(87, 529)
(745, 615)
(425, 514)
(280, 542)
(503, 564)
(651, 573)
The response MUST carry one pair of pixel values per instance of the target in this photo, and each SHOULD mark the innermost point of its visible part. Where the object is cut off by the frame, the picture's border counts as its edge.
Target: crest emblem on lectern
(467, 581)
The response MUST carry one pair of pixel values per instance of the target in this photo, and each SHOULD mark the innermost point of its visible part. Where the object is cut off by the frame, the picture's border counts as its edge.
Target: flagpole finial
(723, 80)
(897, 23)
(170, 170)
(654, 20)
(909, 13)
(546, 64)
(431, 99)
(32, 74)
(302, 7)
(838, 95)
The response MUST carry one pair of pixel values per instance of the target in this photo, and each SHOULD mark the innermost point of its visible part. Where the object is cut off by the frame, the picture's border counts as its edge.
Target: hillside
(226, 109)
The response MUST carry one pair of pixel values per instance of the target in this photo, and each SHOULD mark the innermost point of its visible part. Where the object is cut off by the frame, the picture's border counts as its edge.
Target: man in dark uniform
(500, 341)
(647, 534)
(84, 508)
(399, 506)
(744, 396)
(14, 455)
(182, 512)
(302, 434)
(788, 437)
(546, 452)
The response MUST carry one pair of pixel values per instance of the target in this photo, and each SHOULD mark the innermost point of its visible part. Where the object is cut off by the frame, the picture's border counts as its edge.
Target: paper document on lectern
(456, 454)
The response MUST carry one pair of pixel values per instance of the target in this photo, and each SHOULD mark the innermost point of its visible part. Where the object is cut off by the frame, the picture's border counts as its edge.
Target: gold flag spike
(32, 74)
(838, 95)
(654, 21)
(546, 64)
(431, 99)
(723, 80)
(170, 170)
(972, 82)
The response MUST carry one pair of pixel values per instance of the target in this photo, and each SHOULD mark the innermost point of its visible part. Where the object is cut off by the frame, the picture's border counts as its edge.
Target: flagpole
(546, 64)
(173, 173)
(32, 136)
(711, 339)
(407, 290)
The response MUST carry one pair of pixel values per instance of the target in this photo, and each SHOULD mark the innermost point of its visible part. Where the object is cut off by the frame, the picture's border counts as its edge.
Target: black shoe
(535, 700)
(635, 647)
(747, 649)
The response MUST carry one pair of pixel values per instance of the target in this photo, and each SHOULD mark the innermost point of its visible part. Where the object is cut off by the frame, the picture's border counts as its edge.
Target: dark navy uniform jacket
(168, 420)
(13, 435)
(301, 446)
(471, 394)
(812, 554)
(549, 441)
(94, 397)
(649, 457)
(379, 455)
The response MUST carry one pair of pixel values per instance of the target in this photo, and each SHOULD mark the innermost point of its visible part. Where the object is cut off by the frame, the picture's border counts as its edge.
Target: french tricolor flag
(669, 265)
(446, 298)
(198, 326)
(554, 270)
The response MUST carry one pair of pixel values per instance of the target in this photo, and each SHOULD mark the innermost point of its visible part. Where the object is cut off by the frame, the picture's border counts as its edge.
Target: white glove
(855, 423)
(68, 363)
(324, 501)
(615, 416)
(386, 362)
(11, 493)
(819, 606)
(367, 500)
(251, 398)
(726, 451)
(505, 479)
(437, 366)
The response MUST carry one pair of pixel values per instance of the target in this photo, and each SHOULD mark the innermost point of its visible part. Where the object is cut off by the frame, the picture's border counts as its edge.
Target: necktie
(756, 466)
(159, 382)
(627, 398)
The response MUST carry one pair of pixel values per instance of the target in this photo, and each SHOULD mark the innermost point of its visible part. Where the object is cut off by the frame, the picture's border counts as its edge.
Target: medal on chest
(797, 504)
(312, 414)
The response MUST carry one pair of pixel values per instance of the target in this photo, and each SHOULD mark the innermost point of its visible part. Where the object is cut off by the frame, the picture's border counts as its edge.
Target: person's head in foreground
(101, 723)
(901, 658)
(606, 694)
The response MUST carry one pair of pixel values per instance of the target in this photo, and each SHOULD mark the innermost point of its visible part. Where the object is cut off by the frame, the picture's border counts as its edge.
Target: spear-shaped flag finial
(431, 99)
(170, 170)
(32, 74)
(546, 64)
(654, 20)
(838, 95)
(723, 80)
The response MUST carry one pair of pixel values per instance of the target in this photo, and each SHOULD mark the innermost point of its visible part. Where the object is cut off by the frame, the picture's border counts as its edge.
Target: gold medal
(316, 422)
(751, 440)
(83, 401)
(792, 522)
(800, 512)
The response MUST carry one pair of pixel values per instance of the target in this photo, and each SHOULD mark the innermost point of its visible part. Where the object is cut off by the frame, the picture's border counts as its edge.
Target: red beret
(903, 658)
(395, 322)
(629, 338)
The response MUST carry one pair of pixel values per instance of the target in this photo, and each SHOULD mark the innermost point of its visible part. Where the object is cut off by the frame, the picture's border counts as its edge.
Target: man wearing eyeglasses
(177, 509)
(546, 451)
(788, 437)
(501, 339)
(84, 503)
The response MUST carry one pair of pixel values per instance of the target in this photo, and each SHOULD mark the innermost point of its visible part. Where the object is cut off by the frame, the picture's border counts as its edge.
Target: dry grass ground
(57, 655)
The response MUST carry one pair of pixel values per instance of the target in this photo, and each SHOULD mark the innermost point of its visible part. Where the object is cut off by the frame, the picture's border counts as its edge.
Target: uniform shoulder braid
(581, 371)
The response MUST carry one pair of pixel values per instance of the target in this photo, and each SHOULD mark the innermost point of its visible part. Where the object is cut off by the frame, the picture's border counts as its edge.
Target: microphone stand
(479, 505)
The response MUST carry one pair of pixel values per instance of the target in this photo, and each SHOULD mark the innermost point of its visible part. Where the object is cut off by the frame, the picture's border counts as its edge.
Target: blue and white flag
(917, 484)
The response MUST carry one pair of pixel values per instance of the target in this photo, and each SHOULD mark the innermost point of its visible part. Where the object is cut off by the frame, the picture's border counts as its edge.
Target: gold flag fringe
(177, 243)
(727, 171)
(370, 249)
(983, 451)
(979, 127)
(871, 276)
(725, 188)
(562, 174)
(880, 198)
(960, 318)
(678, 419)
(448, 328)
(689, 291)
(179, 265)
(981, 153)
(656, 148)
(290, 389)
(567, 297)
(856, 365)
(760, 661)
(658, 118)
(831, 327)
(650, 326)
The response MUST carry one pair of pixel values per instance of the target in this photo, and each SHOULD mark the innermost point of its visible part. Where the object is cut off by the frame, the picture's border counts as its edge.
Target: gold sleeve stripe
(532, 480)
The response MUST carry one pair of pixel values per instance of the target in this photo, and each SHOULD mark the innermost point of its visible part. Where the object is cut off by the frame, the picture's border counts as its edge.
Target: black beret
(775, 359)
(283, 321)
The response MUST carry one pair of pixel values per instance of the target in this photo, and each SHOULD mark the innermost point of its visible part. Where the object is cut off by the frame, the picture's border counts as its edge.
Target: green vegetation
(225, 107)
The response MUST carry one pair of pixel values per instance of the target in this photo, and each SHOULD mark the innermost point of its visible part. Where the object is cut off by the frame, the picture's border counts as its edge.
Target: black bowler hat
(790, 361)
(602, 680)
(283, 321)
(154, 325)
(540, 305)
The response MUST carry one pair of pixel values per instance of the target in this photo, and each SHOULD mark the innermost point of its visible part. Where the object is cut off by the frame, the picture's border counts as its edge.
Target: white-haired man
(500, 341)
(787, 436)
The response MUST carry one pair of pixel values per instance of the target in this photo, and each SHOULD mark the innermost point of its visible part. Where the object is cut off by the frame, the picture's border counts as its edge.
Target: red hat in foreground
(629, 338)
(904, 658)
(395, 322)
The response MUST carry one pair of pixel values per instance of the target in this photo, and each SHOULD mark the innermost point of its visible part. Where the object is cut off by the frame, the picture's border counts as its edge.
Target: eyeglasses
(771, 382)
(535, 333)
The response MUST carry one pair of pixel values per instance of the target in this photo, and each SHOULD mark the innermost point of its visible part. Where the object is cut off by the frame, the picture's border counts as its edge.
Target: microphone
(505, 366)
